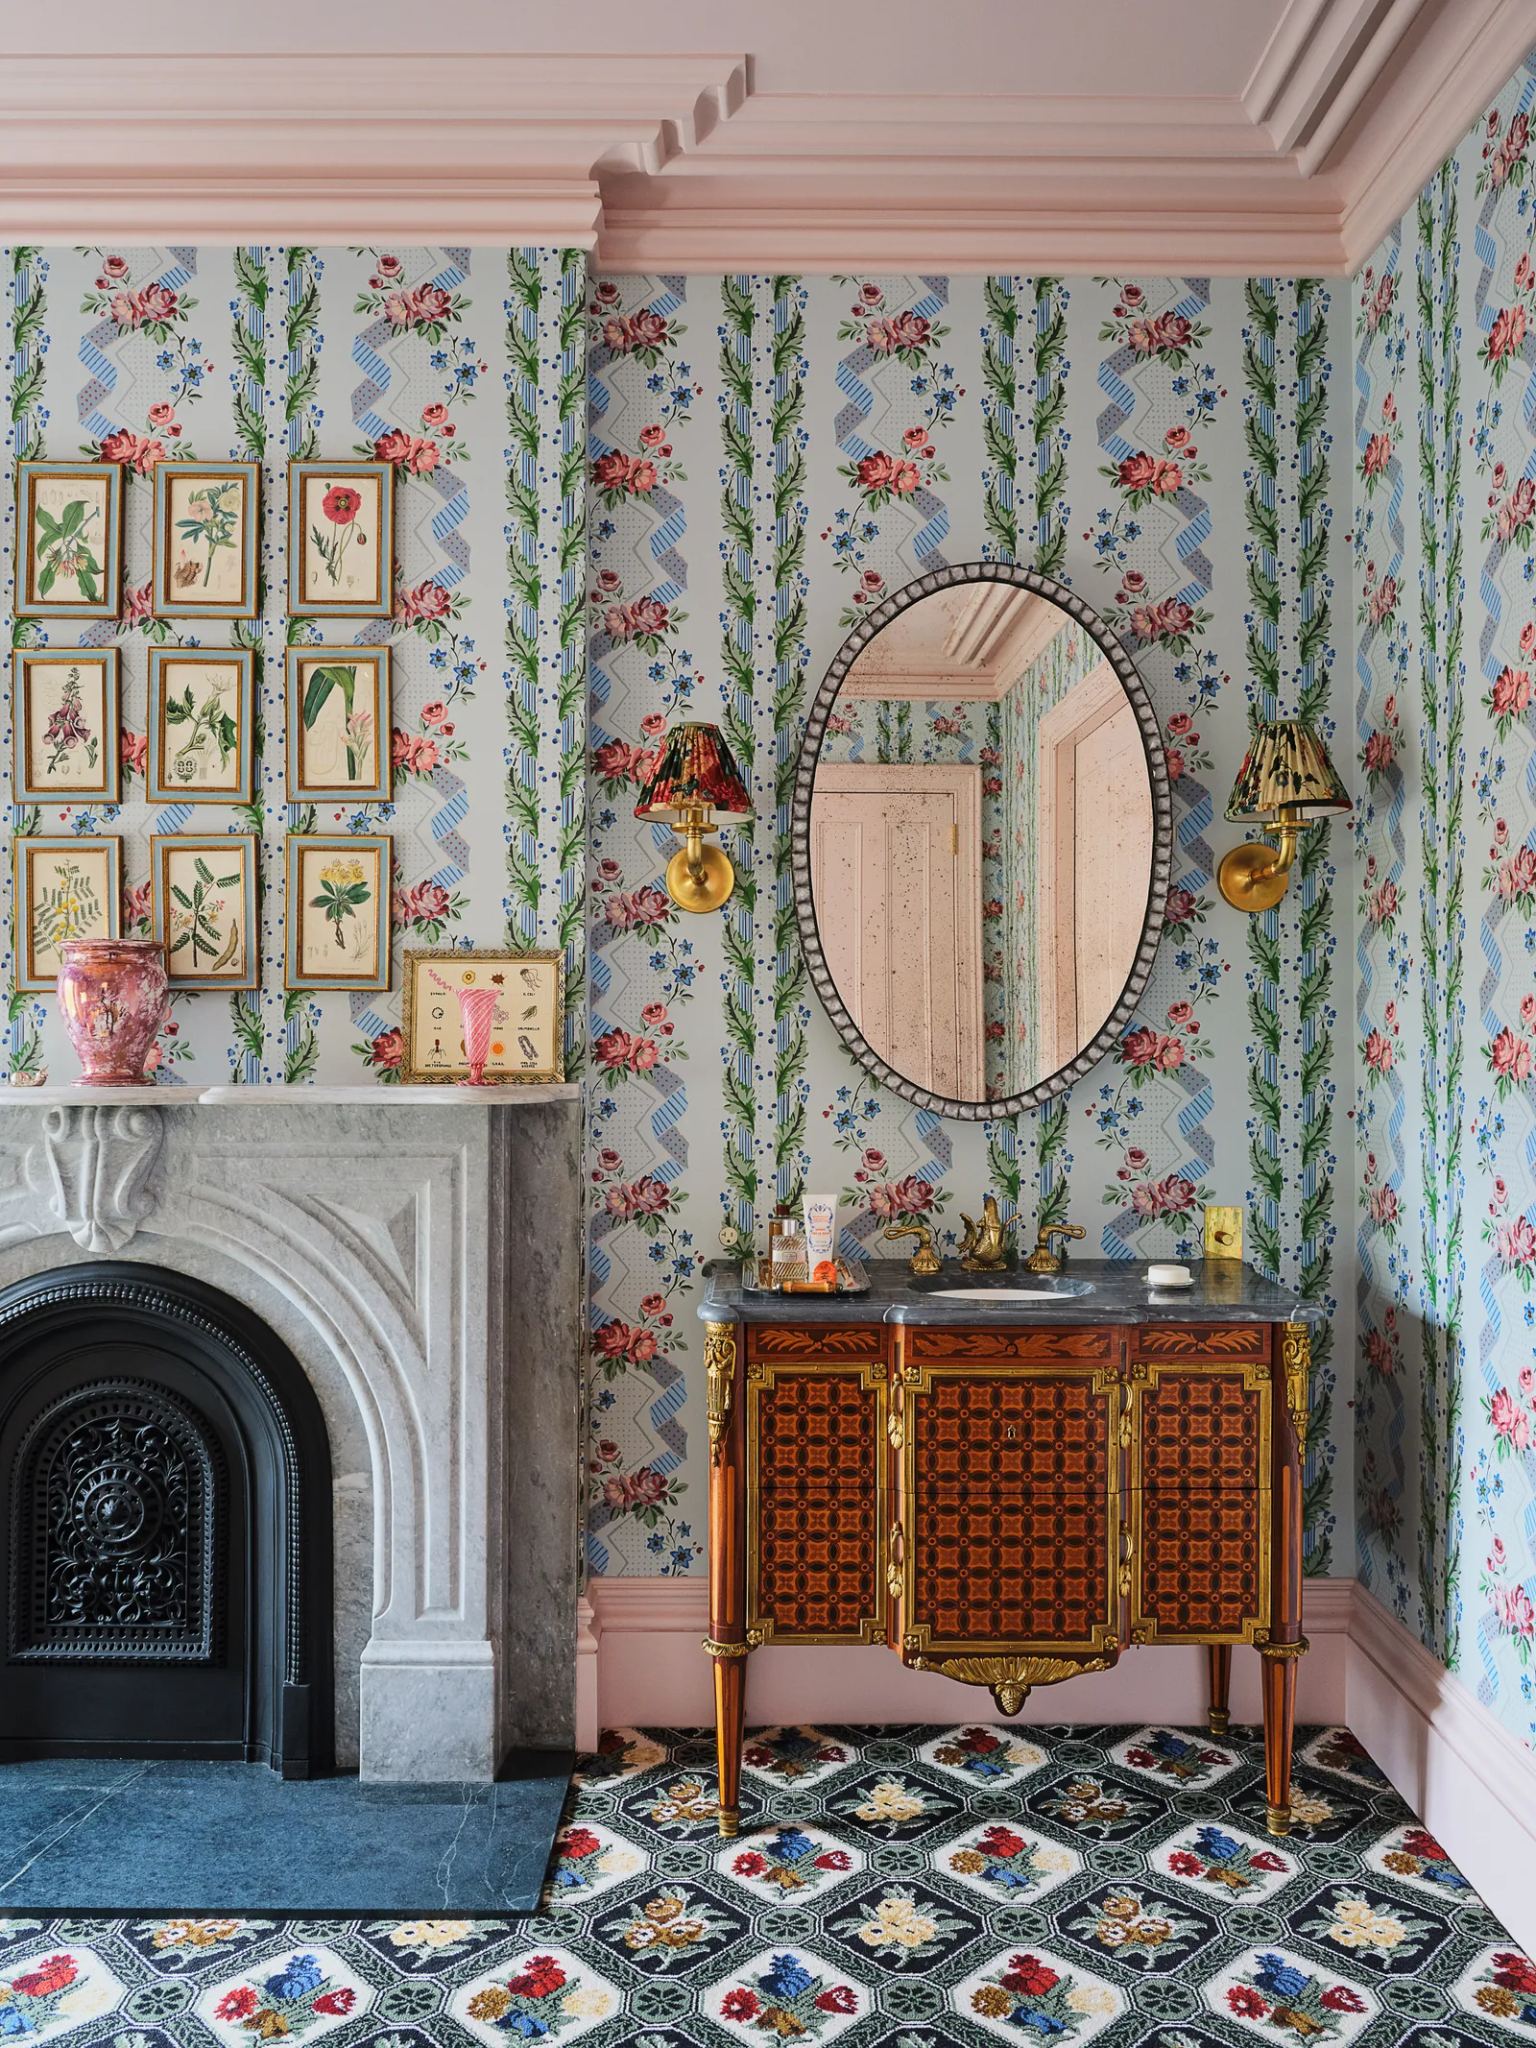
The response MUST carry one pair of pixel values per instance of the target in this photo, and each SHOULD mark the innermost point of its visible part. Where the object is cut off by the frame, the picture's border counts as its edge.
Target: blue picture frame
(372, 854)
(192, 510)
(161, 783)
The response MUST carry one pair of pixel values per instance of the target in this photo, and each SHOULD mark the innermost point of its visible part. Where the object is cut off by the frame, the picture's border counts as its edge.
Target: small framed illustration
(207, 528)
(338, 912)
(65, 889)
(204, 896)
(70, 521)
(341, 539)
(64, 725)
(338, 725)
(526, 1026)
(201, 725)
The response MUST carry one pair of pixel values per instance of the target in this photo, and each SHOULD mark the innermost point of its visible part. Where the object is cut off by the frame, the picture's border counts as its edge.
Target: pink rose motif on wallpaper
(1512, 517)
(415, 453)
(426, 604)
(384, 1054)
(620, 765)
(1511, 876)
(643, 622)
(1509, 698)
(1147, 1052)
(619, 476)
(1506, 341)
(1383, 1349)
(1185, 910)
(1169, 337)
(1172, 623)
(1379, 1047)
(906, 336)
(426, 909)
(1374, 460)
(424, 309)
(1376, 300)
(621, 1053)
(637, 910)
(643, 335)
(1509, 1061)
(151, 308)
(1378, 601)
(1379, 1200)
(1504, 160)
(135, 451)
(134, 750)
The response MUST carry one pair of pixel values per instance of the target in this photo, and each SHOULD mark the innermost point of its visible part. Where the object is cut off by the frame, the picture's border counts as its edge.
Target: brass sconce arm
(1254, 877)
(1285, 786)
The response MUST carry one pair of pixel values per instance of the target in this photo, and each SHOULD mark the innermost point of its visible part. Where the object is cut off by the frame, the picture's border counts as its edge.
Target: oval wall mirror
(981, 840)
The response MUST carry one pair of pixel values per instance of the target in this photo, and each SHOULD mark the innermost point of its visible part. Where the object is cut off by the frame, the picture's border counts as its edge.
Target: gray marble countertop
(1225, 1291)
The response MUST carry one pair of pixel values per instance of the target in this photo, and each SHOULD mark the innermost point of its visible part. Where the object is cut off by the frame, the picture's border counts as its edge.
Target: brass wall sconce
(1286, 784)
(696, 787)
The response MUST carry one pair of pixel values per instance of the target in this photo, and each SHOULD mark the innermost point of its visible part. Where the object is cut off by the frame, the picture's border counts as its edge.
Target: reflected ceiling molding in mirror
(907, 839)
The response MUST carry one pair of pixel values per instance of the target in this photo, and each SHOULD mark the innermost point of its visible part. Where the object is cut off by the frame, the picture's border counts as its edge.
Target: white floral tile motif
(794, 1756)
(1280, 1996)
(787, 1993)
(1411, 1855)
(1224, 1864)
(304, 1990)
(47, 1991)
(590, 1859)
(542, 1992)
(785, 1864)
(428, 1942)
(1361, 1921)
(983, 1757)
(1175, 1756)
(1027, 1994)
(1500, 1985)
(1006, 1864)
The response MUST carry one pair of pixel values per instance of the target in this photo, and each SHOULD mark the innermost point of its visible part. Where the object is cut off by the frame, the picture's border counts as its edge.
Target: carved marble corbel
(92, 1166)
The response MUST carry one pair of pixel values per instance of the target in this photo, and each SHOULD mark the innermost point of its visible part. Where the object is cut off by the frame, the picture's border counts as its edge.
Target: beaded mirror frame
(800, 840)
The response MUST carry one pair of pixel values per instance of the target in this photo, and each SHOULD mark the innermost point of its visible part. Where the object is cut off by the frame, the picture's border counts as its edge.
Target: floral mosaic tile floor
(912, 1887)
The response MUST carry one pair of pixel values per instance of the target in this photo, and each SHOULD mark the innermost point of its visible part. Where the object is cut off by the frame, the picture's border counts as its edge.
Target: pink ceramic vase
(114, 996)
(477, 1007)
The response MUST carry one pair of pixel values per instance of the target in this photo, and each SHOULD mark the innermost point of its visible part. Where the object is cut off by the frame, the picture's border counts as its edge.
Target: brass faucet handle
(925, 1261)
(1043, 1259)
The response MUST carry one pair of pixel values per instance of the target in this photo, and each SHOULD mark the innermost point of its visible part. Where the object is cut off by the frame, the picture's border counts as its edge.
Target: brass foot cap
(730, 1820)
(1278, 1819)
(1220, 1720)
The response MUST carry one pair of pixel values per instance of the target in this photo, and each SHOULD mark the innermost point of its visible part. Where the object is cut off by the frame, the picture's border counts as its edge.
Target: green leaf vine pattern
(738, 667)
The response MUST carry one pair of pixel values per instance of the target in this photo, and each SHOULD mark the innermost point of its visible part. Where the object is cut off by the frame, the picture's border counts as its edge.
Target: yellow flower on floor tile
(1092, 1998)
(194, 1933)
(85, 2001)
(991, 2001)
(490, 2003)
(1358, 1924)
(898, 1921)
(890, 1800)
(1495, 1999)
(1308, 1811)
(587, 2002)
(430, 1933)
(1053, 1860)
(619, 1862)
(968, 1862)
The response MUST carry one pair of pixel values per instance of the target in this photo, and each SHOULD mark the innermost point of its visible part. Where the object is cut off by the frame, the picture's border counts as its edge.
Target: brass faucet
(1043, 1259)
(981, 1248)
(925, 1261)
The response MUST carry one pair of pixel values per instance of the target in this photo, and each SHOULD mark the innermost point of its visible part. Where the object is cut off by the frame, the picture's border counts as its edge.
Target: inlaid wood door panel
(1203, 1428)
(1201, 1565)
(982, 1434)
(816, 1502)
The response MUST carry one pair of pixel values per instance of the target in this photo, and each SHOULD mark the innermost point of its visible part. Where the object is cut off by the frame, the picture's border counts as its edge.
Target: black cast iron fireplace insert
(165, 1521)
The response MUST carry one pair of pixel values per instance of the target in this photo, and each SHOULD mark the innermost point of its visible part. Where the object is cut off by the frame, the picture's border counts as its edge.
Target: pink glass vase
(114, 996)
(477, 1007)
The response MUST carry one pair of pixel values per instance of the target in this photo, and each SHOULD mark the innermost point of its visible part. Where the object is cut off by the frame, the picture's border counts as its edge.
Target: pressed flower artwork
(338, 924)
(65, 889)
(338, 724)
(71, 535)
(205, 908)
(65, 725)
(206, 532)
(526, 1024)
(200, 725)
(340, 538)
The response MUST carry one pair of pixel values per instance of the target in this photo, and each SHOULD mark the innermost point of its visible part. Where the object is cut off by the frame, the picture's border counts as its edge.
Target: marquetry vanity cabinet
(1007, 1503)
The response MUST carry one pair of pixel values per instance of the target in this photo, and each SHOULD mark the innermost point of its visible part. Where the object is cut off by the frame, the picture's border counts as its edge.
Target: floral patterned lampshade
(697, 770)
(1286, 766)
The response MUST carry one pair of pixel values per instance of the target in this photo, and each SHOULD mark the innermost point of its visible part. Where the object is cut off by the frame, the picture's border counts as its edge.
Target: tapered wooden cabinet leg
(1221, 1687)
(1279, 1662)
(730, 1719)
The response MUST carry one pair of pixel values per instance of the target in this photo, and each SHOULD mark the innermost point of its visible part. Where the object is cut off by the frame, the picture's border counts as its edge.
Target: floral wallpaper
(1445, 894)
(770, 455)
(464, 370)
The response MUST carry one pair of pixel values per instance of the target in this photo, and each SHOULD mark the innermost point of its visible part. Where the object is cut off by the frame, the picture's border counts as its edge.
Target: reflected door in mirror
(896, 861)
(1096, 859)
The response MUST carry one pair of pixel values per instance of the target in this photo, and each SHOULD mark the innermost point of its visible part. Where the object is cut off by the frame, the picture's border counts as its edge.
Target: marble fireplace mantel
(419, 1252)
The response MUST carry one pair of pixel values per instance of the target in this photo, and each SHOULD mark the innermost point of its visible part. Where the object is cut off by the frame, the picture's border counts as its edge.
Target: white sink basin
(1006, 1293)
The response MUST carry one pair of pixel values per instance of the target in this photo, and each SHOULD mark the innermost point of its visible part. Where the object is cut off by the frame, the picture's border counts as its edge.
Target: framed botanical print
(337, 912)
(207, 529)
(338, 725)
(204, 896)
(201, 725)
(70, 535)
(341, 539)
(65, 889)
(526, 1025)
(64, 725)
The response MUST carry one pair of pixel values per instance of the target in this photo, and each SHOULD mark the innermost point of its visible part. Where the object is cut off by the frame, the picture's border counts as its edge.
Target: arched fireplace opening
(165, 1521)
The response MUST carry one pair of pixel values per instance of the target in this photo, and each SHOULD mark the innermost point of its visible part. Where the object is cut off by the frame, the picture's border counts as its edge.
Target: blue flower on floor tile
(1277, 1977)
(302, 1975)
(1218, 1847)
(787, 1978)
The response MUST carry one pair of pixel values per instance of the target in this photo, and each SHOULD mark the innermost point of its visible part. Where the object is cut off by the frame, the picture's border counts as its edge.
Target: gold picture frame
(338, 903)
(339, 712)
(70, 562)
(203, 891)
(84, 879)
(207, 539)
(202, 725)
(341, 539)
(65, 708)
(434, 1043)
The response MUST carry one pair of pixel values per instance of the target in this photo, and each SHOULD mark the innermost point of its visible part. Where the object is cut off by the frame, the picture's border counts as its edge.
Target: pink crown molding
(671, 161)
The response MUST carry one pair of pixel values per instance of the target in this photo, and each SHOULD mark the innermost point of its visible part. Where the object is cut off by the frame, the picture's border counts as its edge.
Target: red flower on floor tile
(1029, 1975)
(580, 1842)
(740, 2005)
(1247, 2004)
(234, 2005)
(839, 1999)
(834, 1859)
(1514, 1972)
(336, 2001)
(50, 1975)
(1266, 1859)
(749, 1864)
(1339, 1998)
(541, 1975)
(1185, 1864)
(1001, 1841)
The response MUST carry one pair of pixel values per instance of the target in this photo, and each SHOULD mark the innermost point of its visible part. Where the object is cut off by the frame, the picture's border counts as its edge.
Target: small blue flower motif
(523, 2024)
(1278, 1978)
(13, 2020)
(302, 1975)
(787, 1978)
(1040, 2021)
(790, 1845)
(1217, 1847)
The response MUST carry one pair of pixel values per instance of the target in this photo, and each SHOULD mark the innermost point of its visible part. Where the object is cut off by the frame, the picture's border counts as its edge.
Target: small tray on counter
(757, 1278)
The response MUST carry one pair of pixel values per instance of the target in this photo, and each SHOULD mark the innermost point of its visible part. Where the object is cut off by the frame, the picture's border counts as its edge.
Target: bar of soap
(1170, 1276)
